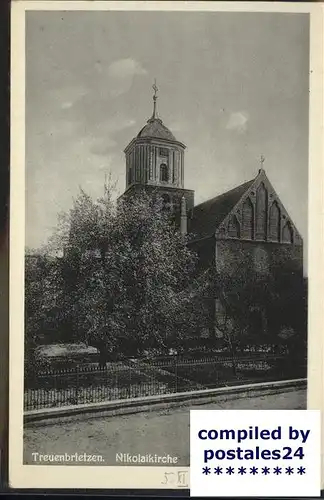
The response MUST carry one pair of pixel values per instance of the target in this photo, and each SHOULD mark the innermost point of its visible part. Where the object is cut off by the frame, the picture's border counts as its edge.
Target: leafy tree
(128, 275)
(44, 302)
(129, 284)
(277, 298)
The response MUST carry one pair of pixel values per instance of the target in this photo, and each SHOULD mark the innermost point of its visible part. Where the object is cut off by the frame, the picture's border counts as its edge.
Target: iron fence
(135, 378)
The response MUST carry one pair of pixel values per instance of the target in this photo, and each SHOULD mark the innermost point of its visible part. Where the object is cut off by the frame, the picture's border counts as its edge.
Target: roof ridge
(210, 214)
(225, 193)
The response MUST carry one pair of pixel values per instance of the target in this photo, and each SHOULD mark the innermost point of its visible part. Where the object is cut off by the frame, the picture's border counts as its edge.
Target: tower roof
(156, 128)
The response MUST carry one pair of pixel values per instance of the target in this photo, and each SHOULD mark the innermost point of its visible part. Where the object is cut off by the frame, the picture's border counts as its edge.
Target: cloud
(121, 74)
(238, 121)
(67, 105)
(66, 97)
(176, 126)
(125, 68)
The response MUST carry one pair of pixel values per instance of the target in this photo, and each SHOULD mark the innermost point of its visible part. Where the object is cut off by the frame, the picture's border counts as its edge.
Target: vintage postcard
(166, 230)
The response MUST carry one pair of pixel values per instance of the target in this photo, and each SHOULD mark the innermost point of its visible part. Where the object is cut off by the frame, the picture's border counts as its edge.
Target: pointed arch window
(261, 212)
(248, 222)
(287, 233)
(234, 227)
(274, 222)
(164, 172)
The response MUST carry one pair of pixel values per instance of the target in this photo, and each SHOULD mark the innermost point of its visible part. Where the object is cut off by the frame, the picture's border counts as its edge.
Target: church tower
(155, 163)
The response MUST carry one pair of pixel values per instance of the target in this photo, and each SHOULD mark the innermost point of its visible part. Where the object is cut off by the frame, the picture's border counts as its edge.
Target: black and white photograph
(166, 234)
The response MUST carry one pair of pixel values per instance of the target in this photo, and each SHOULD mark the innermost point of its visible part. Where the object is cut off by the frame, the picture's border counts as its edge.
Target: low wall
(49, 416)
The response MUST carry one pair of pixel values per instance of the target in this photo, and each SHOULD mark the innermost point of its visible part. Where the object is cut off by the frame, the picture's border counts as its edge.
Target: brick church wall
(262, 257)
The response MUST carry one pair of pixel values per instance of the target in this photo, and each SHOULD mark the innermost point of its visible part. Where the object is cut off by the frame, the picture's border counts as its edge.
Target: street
(159, 432)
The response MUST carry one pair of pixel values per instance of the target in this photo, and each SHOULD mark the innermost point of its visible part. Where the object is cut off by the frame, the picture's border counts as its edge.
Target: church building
(246, 224)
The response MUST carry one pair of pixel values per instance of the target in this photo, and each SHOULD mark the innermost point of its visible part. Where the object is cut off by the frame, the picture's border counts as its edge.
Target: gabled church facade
(248, 221)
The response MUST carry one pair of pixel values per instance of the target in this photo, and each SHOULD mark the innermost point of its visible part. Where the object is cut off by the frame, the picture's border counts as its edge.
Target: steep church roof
(214, 215)
(208, 215)
(156, 128)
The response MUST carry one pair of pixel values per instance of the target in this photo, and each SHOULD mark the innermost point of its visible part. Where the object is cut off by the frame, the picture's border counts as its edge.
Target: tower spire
(155, 88)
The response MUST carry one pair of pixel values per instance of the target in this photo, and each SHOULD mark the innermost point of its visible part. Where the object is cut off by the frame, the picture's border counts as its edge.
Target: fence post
(176, 372)
(117, 388)
(130, 380)
(77, 384)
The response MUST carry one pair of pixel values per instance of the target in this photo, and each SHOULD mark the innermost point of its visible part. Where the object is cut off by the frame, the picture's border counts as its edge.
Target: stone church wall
(261, 257)
(266, 260)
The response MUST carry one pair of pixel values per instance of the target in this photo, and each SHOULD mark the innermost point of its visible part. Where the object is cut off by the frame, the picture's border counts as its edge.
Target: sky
(232, 87)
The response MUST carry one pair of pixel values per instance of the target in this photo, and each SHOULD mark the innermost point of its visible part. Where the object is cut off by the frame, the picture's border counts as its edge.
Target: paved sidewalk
(159, 432)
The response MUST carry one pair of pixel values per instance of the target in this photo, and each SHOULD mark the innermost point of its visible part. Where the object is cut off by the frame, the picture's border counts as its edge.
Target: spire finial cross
(262, 160)
(155, 88)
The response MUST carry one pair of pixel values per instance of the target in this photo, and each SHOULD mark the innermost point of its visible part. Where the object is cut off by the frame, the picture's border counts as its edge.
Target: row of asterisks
(254, 470)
